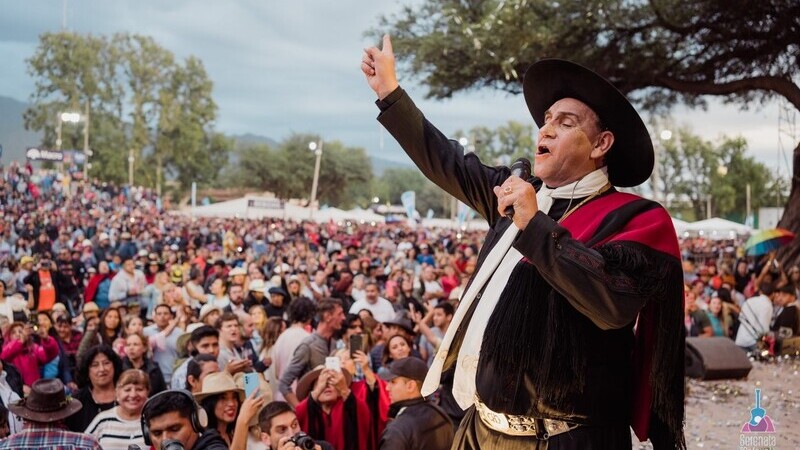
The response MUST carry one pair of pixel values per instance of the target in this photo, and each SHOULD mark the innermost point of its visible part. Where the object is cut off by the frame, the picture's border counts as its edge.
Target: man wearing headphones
(174, 415)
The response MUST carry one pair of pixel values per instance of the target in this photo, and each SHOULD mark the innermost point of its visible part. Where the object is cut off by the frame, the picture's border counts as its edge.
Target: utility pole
(130, 167)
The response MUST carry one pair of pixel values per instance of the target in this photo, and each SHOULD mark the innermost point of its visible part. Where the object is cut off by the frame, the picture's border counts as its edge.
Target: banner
(409, 199)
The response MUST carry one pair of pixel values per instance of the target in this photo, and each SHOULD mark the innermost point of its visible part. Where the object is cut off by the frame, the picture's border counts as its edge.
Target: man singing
(570, 330)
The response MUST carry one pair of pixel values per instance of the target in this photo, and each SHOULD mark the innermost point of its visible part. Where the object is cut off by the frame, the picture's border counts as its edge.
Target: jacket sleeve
(47, 350)
(300, 359)
(11, 349)
(393, 439)
(441, 160)
(610, 299)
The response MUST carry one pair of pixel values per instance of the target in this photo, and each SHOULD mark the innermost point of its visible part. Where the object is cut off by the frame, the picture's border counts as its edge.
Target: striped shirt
(49, 436)
(115, 433)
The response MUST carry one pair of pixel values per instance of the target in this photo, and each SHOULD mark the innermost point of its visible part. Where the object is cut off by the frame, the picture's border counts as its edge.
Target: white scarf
(494, 274)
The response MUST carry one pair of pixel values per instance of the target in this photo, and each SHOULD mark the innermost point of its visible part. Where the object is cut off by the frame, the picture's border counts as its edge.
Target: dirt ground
(716, 410)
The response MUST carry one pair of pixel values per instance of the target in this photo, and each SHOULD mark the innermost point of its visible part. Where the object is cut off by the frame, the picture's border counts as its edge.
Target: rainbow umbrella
(765, 241)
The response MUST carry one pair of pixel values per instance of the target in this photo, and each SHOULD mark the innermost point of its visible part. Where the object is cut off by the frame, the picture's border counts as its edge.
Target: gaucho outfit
(560, 365)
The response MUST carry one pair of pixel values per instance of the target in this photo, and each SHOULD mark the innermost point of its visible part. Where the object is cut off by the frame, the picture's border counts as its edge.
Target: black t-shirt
(787, 318)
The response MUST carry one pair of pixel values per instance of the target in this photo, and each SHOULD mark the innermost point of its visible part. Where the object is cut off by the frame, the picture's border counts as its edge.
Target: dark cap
(787, 289)
(412, 368)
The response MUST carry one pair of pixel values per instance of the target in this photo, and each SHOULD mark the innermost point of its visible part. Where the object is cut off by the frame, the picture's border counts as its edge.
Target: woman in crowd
(108, 330)
(449, 279)
(10, 391)
(153, 293)
(12, 305)
(133, 325)
(136, 357)
(198, 368)
(272, 331)
(153, 268)
(397, 347)
(28, 351)
(721, 321)
(259, 316)
(99, 286)
(221, 399)
(121, 426)
(98, 372)
(218, 295)
(408, 295)
(58, 367)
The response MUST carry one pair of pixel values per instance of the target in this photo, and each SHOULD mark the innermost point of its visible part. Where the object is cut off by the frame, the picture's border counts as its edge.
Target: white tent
(717, 228)
(680, 226)
(252, 207)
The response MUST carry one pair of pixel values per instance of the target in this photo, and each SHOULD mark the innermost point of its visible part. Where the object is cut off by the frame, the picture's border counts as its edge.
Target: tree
(660, 52)
(136, 97)
(502, 145)
(395, 181)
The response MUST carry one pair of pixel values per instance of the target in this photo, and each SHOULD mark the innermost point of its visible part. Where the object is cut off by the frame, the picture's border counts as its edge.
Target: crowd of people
(145, 317)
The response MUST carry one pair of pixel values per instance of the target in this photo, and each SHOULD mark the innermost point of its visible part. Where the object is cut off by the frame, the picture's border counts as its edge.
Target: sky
(283, 67)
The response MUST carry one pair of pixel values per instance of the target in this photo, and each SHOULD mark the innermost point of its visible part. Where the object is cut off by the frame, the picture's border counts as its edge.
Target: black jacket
(210, 440)
(418, 425)
(153, 372)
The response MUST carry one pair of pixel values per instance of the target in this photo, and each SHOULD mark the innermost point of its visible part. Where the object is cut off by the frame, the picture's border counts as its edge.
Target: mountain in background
(14, 138)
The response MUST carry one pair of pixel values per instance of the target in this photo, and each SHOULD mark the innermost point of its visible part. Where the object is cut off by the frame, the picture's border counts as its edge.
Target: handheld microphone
(521, 168)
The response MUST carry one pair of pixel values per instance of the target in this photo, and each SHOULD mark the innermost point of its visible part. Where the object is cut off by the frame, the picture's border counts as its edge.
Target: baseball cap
(412, 368)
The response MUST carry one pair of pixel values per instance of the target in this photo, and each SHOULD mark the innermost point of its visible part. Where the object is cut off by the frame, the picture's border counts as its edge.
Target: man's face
(172, 426)
(371, 292)
(335, 318)
(229, 330)
(440, 319)
(162, 317)
(276, 300)
(428, 274)
(247, 327)
(398, 389)
(128, 266)
(283, 425)
(566, 149)
(235, 294)
(208, 345)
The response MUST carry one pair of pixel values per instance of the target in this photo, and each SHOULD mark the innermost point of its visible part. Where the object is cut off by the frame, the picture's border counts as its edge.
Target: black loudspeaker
(715, 358)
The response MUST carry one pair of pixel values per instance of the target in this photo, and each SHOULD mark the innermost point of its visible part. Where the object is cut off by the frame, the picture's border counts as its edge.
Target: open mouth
(542, 150)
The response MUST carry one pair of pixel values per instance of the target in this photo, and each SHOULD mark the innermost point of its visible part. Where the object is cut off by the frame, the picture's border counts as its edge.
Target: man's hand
(240, 365)
(521, 194)
(378, 67)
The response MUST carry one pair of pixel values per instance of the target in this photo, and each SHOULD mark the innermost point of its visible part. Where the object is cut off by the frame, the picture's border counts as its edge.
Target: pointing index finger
(387, 44)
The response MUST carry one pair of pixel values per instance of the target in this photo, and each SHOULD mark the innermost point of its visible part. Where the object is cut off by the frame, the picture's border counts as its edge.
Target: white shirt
(381, 310)
(8, 396)
(114, 432)
(282, 352)
(754, 320)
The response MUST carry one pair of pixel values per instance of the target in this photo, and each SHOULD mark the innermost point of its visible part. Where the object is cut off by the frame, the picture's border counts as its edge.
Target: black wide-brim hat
(630, 160)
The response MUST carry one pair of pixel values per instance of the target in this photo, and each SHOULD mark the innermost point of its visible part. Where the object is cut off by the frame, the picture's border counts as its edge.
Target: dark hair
(226, 317)
(203, 332)
(102, 330)
(269, 411)
(88, 357)
(348, 324)
(210, 403)
(167, 403)
(302, 310)
(5, 286)
(327, 305)
(195, 367)
(766, 288)
(163, 305)
(446, 307)
(386, 357)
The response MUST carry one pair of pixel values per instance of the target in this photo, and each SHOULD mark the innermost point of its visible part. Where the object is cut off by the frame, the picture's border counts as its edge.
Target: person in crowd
(136, 349)
(235, 299)
(133, 324)
(58, 367)
(301, 313)
(176, 415)
(209, 314)
(277, 305)
(259, 316)
(245, 344)
(11, 306)
(721, 321)
(278, 424)
(430, 286)
(313, 350)
(755, 319)
(695, 319)
(28, 350)
(192, 291)
(99, 286)
(380, 308)
(70, 337)
(786, 322)
(255, 294)
(108, 331)
(273, 329)
(203, 340)
(440, 316)
(217, 294)
(153, 268)
(153, 293)
(230, 356)
(221, 399)
(98, 372)
(11, 391)
(128, 284)
(417, 423)
(198, 368)
(319, 286)
(399, 324)
(121, 426)
(43, 285)
(44, 412)
(163, 336)
(397, 347)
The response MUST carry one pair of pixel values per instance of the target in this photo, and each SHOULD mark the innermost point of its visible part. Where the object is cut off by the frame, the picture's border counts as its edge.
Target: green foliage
(137, 97)
(345, 174)
(395, 181)
(503, 145)
(696, 170)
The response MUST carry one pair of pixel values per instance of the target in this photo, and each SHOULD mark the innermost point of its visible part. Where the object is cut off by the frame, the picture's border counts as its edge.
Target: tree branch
(778, 85)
